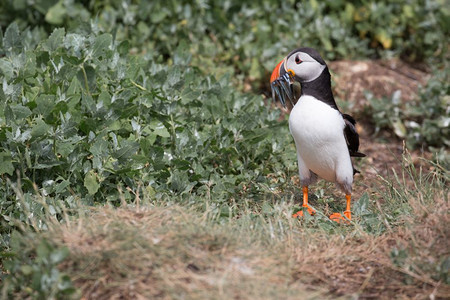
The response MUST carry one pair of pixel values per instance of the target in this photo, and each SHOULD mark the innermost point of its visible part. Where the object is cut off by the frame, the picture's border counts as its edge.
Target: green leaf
(101, 45)
(66, 147)
(182, 55)
(26, 269)
(43, 250)
(91, 182)
(55, 15)
(161, 130)
(47, 165)
(189, 95)
(6, 166)
(59, 255)
(174, 76)
(384, 38)
(123, 47)
(399, 128)
(40, 129)
(55, 40)
(147, 142)
(60, 187)
(1, 41)
(361, 206)
(6, 68)
(20, 111)
(181, 164)
(90, 80)
(126, 150)
(74, 87)
(75, 43)
(29, 68)
(157, 15)
(99, 148)
(20, 4)
(326, 43)
(45, 104)
(104, 98)
(12, 39)
(12, 91)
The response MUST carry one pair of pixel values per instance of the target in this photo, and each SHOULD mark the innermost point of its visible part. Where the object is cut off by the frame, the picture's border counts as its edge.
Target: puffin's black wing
(351, 136)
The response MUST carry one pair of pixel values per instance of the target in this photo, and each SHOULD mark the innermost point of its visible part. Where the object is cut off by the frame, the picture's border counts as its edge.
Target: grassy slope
(147, 251)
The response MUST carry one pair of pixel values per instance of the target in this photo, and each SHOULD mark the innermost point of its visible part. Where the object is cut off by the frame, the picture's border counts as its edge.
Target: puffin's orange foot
(337, 217)
(348, 214)
(299, 214)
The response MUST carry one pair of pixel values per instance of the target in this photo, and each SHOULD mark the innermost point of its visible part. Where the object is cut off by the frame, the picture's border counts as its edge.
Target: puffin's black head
(301, 65)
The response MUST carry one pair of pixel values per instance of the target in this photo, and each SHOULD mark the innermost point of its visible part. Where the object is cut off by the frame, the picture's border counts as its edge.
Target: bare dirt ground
(352, 79)
(381, 78)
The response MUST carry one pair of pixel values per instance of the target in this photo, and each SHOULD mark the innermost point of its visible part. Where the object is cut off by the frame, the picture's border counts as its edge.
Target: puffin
(325, 138)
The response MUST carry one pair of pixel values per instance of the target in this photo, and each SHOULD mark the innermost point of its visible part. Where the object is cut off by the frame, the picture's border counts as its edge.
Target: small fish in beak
(281, 85)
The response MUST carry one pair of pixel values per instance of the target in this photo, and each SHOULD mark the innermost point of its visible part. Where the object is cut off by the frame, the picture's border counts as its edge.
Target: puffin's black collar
(320, 88)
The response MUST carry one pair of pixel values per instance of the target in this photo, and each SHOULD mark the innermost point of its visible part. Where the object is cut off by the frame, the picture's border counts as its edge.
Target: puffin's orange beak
(281, 84)
(276, 71)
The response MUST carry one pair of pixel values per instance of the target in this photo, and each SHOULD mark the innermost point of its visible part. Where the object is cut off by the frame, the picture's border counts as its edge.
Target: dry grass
(171, 253)
(174, 252)
(365, 266)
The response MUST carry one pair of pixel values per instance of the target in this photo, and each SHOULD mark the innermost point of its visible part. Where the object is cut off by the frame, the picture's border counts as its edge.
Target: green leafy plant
(245, 38)
(32, 266)
(423, 122)
(429, 116)
(81, 121)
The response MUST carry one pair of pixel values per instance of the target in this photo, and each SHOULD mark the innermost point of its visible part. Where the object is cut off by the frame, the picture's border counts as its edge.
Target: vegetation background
(141, 157)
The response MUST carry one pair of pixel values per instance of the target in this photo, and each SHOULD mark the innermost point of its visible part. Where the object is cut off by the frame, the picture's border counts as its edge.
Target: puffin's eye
(298, 60)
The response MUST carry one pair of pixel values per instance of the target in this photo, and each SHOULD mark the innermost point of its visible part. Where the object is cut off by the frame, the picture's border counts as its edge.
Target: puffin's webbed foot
(305, 205)
(299, 214)
(337, 217)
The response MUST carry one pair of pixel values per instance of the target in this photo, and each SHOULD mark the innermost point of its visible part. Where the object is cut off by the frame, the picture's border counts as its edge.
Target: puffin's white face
(303, 67)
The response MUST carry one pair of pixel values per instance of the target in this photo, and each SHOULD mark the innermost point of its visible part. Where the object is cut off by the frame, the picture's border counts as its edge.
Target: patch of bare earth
(381, 78)
(352, 79)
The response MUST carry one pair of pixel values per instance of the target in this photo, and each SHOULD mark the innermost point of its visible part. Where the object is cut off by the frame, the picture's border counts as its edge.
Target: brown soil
(352, 79)
(381, 78)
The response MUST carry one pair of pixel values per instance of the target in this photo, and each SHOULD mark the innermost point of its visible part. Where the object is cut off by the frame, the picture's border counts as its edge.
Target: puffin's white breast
(318, 131)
